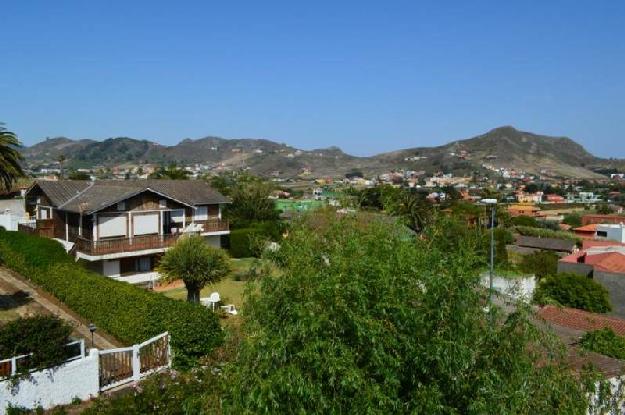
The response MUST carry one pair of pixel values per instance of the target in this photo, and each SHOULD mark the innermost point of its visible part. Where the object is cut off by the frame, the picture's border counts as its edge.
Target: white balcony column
(160, 223)
(95, 227)
(66, 228)
(130, 233)
(219, 213)
(80, 225)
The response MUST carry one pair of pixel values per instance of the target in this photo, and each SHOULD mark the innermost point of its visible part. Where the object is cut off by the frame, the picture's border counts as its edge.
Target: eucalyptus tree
(362, 319)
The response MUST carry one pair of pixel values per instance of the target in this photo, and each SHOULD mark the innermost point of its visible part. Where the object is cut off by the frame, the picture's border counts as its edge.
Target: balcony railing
(213, 225)
(119, 245)
(143, 242)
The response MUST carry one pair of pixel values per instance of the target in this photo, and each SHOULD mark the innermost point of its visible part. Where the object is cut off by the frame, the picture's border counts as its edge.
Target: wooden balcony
(213, 225)
(42, 227)
(143, 242)
(120, 245)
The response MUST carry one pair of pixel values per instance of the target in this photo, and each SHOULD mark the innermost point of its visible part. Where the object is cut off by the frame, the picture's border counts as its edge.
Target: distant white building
(612, 232)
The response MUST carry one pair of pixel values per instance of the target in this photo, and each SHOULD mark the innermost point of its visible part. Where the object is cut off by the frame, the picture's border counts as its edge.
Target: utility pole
(493, 209)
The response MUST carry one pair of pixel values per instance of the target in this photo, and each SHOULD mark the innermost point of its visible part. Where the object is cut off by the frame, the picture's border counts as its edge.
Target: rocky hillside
(503, 147)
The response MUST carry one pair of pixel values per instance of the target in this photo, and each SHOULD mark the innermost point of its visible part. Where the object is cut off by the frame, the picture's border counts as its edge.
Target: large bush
(46, 337)
(130, 314)
(363, 320)
(572, 290)
(604, 341)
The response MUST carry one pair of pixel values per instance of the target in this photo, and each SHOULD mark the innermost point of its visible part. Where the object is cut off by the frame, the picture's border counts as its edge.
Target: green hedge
(242, 240)
(130, 314)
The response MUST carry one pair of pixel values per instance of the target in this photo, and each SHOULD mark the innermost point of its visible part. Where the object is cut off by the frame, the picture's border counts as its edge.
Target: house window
(162, 203)
(144, 264)
(121, 206)
(602, 234)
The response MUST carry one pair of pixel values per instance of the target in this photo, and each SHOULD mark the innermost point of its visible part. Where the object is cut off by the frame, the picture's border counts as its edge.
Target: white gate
(131, 364)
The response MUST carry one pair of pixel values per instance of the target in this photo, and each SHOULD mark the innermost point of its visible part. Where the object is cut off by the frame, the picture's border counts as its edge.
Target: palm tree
(61, 161)
(10, 157)
(194, 262)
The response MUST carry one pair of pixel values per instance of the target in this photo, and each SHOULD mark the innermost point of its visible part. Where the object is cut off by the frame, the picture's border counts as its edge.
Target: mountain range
(503, 147)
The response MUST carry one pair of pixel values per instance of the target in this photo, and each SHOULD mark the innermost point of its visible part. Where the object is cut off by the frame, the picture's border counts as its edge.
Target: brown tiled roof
(59, 191)
(71, 196)
(579, 360)
(552, 244)
(580, 319)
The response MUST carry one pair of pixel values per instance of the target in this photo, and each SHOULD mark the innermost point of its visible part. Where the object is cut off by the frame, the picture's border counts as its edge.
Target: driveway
(19, 298)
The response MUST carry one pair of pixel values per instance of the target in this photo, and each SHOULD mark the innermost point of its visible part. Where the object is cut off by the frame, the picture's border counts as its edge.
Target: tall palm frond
(10, 157)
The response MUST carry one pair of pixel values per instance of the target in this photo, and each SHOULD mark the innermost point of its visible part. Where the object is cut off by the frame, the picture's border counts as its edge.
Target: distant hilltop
(503, 149)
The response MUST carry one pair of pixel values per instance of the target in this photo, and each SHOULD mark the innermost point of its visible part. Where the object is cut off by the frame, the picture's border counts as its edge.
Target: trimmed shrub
(46, 337)
(572, 290)
(527, 221)
(130, 314)
(244, 241)
(604, 341)
(241, 242)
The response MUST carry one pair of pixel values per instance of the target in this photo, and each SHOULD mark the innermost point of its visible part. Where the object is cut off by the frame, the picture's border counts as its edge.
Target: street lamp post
(92, 329)
(493, 205)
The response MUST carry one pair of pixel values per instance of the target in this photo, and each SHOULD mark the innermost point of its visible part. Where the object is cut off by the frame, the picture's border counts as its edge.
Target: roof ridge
(77, 194)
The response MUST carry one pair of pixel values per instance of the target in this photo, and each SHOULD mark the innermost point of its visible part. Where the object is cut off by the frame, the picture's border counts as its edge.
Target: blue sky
(366, 76)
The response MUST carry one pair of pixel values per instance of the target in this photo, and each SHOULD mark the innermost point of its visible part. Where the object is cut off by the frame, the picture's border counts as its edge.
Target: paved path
(10, 284)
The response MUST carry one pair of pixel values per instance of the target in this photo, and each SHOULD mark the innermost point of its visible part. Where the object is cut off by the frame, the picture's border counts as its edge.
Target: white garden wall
(51, 387)
(517, 288)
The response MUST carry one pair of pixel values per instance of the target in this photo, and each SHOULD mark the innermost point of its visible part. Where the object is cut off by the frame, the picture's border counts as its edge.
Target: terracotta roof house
(552, 198)
(604, 264)
(121, 228)
(524, 210)
(586, 231)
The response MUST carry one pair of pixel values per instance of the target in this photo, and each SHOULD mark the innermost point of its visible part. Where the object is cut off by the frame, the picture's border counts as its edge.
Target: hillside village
(555, 242)
(216, 208)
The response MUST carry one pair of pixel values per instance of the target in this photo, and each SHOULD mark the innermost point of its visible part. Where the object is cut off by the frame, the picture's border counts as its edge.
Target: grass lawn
(230, 291)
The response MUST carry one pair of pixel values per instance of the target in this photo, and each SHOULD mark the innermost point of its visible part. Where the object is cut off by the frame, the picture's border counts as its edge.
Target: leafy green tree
(10, 158)
(604, 341)
(363, 320)
(196, 263)
(572, 219)
(78, 175)
(413, 207)
(540, 263)
(251, 203)
(603, 209)
(171, 172)
(525, 221)
(61, 161)
(572, 290)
